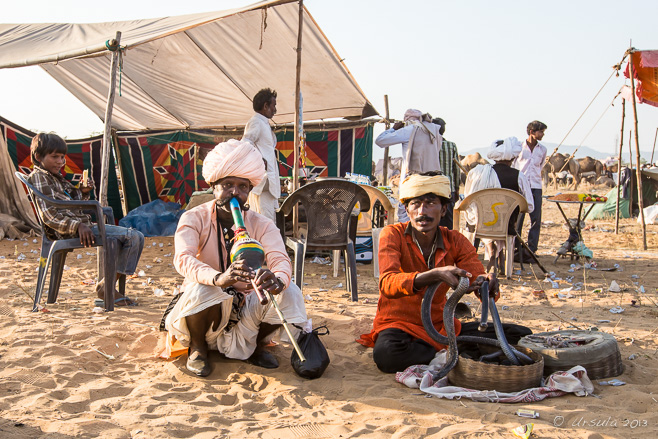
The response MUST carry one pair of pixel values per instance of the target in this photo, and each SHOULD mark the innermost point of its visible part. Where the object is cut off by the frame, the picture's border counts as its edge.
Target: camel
(588, 165)
(556, 164)
(605, 181)
(469, 162)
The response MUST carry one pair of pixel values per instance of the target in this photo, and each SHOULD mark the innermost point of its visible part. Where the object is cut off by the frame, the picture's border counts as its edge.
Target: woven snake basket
(476, 375)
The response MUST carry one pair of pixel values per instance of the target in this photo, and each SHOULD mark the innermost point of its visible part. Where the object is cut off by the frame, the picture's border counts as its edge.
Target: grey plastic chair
(332, 220)
(54, 251)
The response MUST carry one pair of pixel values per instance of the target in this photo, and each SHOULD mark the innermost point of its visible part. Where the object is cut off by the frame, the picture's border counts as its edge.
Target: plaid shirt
(447, 157)
(64, 222)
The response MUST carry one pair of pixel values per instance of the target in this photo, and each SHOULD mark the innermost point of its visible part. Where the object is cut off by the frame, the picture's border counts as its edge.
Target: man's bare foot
(197, 362)
(100, 289)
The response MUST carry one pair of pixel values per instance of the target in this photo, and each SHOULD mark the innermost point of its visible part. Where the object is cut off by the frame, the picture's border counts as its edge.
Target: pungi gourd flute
(247, 249)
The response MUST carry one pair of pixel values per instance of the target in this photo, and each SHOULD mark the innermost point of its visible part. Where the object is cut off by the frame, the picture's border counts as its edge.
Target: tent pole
(297, 152)
(295, 169)
(196, 173)
(388, 125)
(640, 198)
(654, 145)
(107, 137)
(630, 165)
(117, 154)
(621, 145)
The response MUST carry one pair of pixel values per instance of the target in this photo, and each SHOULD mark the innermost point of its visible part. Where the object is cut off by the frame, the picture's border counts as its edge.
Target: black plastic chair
(331, 224)
(54, 251)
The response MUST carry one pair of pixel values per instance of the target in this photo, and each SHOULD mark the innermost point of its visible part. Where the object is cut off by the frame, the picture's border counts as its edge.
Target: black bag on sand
(317, 358)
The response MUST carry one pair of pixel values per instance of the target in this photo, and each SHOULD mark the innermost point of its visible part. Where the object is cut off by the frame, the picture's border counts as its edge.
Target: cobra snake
(449, 324)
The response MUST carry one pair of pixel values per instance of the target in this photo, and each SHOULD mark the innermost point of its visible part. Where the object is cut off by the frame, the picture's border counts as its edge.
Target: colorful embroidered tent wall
(167, 165)
(162, 164)
(82, 154)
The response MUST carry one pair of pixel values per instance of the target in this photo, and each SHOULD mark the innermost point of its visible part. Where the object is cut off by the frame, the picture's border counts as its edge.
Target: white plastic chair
(494, 208)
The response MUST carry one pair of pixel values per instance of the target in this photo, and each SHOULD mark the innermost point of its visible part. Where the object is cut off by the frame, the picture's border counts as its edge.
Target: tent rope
(112, 46)
(263, 25)
(582, 114)
(589, 132)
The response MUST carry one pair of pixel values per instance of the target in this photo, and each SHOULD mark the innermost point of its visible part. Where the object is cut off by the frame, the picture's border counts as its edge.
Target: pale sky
(487, 68)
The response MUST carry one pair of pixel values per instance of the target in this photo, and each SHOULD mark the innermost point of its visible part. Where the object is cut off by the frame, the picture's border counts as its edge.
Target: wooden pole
(640, 197)
(196, 173)
(122, 187)
(654, 146)
(107, 135)
(388, 125)
(630, 165)
(295, 168)
(621, 145)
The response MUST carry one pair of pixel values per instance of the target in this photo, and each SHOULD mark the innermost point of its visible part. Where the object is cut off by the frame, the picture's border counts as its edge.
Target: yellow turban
(416, 185)
(234, 158)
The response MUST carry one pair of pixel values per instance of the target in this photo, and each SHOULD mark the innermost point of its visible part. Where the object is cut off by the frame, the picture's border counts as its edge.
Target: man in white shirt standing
(264, 197)
(421, 144)
(530, 162)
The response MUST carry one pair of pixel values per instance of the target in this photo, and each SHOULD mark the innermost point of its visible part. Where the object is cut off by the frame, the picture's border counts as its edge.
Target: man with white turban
(217, 309)
(412, 256)
(421, 146)
(499, 175)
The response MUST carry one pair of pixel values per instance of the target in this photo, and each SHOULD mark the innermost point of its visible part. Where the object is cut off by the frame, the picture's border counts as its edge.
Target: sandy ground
(56, 382)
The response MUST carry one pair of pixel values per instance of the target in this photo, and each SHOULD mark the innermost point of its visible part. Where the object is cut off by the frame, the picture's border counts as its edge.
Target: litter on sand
(523, 431)
(617, 310)
(614, 382)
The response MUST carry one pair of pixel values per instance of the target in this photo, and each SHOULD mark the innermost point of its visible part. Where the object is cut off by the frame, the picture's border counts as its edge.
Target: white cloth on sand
(574, 380)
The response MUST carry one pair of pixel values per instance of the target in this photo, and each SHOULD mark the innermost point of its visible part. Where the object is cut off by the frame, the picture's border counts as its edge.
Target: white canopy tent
(193, 71)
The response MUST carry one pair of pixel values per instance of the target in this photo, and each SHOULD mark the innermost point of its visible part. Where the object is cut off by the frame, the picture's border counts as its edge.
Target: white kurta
(259, 132)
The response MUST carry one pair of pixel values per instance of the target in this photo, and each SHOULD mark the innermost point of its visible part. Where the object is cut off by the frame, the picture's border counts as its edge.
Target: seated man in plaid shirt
(48, 152)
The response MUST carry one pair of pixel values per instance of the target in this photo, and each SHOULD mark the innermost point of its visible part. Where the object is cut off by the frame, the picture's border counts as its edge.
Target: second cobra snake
(451, 339)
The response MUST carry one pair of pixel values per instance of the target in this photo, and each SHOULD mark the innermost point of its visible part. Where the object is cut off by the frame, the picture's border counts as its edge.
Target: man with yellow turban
(412, 256)
(217, 309)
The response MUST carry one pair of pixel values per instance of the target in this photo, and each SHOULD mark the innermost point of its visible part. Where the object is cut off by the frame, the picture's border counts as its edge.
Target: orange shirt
(400, 259)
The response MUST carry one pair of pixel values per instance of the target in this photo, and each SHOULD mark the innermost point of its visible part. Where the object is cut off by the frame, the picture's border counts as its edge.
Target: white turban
(416, 185)
(234, 158)
(412, 114)
(508, 150)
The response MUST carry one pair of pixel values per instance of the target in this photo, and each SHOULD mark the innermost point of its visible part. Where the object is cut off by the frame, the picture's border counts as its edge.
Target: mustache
(424, 218)
(226, 203)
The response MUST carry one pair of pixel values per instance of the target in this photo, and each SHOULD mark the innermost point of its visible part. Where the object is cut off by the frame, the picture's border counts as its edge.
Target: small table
(576, 230)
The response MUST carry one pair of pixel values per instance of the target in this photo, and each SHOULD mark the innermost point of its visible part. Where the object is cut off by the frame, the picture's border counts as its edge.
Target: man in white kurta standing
(264, 197)
(530, 162)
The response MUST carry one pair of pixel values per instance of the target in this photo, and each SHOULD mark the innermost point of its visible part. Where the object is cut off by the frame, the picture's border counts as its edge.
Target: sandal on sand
(121, 301)
(125, 301)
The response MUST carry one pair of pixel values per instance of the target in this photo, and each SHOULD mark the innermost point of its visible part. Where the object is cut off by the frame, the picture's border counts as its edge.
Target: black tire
(600, 356)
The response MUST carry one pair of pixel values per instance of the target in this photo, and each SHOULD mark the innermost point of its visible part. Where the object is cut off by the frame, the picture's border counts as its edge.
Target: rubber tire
(604, 346)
